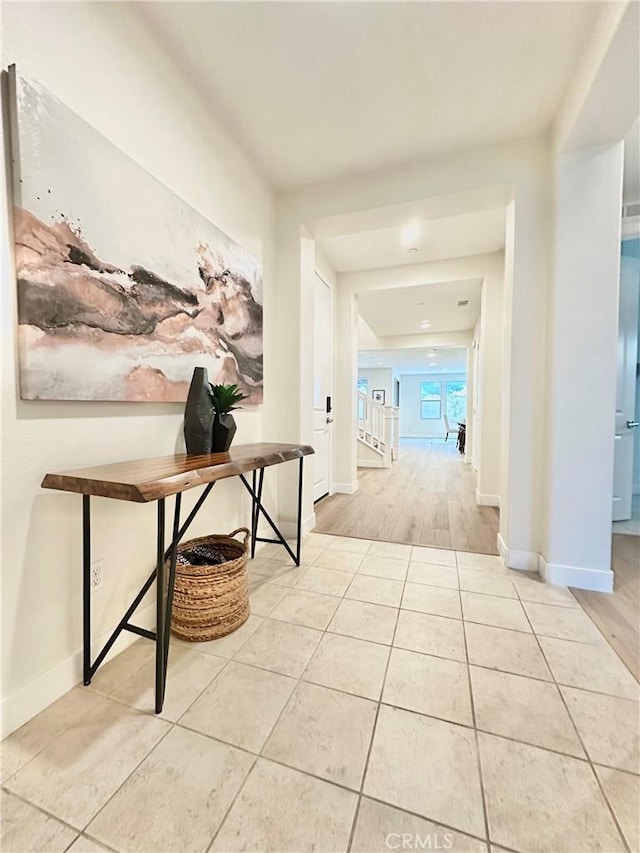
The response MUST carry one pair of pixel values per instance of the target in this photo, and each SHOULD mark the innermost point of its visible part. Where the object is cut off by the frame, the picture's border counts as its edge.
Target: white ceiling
(398, 311)
(449, 237)
(447, 360)
(315, 91)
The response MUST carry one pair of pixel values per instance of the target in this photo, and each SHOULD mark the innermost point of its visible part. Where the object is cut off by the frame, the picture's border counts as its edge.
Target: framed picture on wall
(378, 397)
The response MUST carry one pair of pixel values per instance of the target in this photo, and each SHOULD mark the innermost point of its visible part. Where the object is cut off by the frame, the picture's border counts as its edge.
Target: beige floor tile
(269, 550)
(325, 733)
(429, 685)
(495, 611)
(176, 799)
(226, 647)
(325, 581)
(318, 540)
(241, 706)
(428, 767)
(349, 545)
(264, 595)
(78, 772)
(124, 666)
(306, 608)
(508, 651)
(280, 647)
(480, 562)
(381, 828)
(608, 727)
(596, 668)
(364, 621)
(280, 810)
(523, 709)
(537, 591)
(433, 575)
(86, 845)
(339, 561)
(344, 663)
(188, 673)
(258, 567)
(542, 802)
(432, 599)
(488, 583)
(623, 792)
(390, 549)
(432, 635)
(375, 590)
(309, 554)
(439, 556)
(26, 742)
(384, 567)
(565, 623)
(25, 829)
(280, 573)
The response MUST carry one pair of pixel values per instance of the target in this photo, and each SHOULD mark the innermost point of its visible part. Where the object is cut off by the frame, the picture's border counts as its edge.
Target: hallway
(427, 498)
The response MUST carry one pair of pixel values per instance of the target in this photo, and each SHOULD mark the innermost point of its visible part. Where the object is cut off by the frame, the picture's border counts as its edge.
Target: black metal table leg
(299, 524)
(160, 608)
(86, 589)
(172, 580)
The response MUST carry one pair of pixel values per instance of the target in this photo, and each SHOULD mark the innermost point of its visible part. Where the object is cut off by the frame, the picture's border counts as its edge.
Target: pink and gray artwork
(123, 288)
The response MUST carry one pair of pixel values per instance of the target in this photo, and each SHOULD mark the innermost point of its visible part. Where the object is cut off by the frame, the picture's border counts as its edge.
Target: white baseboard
(289, 529)
(345, 488)
(598, 580)
(29, 700)
(372, 463)
(523, 561)
(487, 500)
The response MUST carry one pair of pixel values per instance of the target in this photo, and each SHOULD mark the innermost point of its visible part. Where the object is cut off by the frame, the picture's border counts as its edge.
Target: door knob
(329, 420)
(632, 424)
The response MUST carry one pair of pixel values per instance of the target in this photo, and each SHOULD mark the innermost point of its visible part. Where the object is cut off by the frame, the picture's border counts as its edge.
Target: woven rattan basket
(212, 601)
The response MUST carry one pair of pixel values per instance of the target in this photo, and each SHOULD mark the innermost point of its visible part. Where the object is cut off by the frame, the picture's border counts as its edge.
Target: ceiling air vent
(462, 303)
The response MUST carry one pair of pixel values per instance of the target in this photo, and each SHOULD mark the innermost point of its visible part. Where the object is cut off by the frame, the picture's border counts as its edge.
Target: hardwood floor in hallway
(426, 498)
(618, 614)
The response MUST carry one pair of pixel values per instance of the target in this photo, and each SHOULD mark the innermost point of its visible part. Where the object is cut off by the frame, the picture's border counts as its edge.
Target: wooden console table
(146, 480)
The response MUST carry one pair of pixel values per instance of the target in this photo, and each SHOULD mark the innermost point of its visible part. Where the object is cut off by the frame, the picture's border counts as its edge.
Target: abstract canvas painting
(123, 288)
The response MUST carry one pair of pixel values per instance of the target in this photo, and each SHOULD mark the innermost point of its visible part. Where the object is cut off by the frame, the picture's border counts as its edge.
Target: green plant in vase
(224, 399)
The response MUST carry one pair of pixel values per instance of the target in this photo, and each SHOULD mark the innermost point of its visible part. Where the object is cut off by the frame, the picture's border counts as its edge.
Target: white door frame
(330, 477)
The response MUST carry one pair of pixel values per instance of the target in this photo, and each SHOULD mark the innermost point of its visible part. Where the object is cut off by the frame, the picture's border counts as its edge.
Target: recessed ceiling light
(410, 232)
(420, 304)
(413, 249)
(425, 324)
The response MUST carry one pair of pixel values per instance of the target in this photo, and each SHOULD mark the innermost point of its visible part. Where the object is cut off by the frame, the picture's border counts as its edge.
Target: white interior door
(626, 379)
(322, 392)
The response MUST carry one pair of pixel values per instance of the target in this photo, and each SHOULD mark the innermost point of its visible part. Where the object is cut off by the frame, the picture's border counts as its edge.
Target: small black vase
(224, 429)
(198, 414)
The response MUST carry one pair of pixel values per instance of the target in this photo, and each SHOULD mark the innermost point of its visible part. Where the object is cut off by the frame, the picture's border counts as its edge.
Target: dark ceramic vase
(198, 414)
(224, 429)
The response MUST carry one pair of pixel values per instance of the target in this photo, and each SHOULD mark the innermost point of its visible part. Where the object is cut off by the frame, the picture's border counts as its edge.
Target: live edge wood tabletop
(144, 480)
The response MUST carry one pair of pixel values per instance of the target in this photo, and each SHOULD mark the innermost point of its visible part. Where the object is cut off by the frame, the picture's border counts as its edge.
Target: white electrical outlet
(97, 575)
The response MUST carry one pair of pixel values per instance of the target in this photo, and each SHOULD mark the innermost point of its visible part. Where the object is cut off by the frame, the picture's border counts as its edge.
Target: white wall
(106, 66)
(379, 379)
(411, 424)
(583, 309)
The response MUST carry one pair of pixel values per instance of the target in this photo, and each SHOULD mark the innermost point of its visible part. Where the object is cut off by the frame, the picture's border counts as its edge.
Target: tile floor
(381, 697)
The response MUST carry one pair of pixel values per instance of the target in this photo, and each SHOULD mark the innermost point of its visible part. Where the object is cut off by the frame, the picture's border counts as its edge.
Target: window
(430, 400)
(456, 401)
(363, 388)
